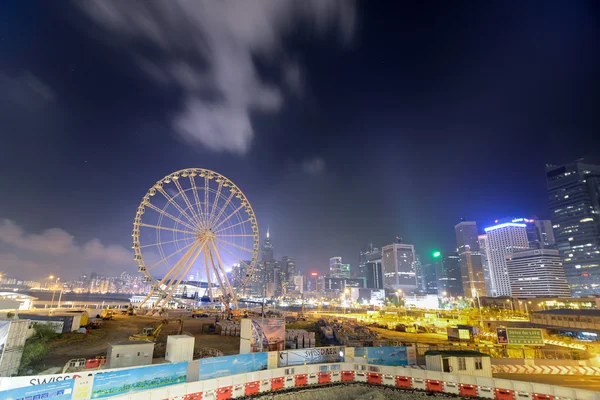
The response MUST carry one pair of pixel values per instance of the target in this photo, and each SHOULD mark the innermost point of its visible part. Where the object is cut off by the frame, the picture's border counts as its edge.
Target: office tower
(545, 233)
(574, 203)
(450, 277)
(471, 268)
(374, 274)
(482, 239)
(503, 239)
(398, 262)
(267, 249)
(430, 278)
(419, 274)
(337, 269)
(362, 260)
(537, 273)
(299, 283)
(539, 232)
(288, 271)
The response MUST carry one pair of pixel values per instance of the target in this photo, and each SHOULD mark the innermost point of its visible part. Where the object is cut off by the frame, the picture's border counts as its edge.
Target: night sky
(344, 123)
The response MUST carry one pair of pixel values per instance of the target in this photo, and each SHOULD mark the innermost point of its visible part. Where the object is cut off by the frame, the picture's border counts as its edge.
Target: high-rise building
(337, 269)
(398, 261)
(471, 268)
(502, 240)
(574, 203)
(482, 239)
(430, 279)
(288, 271)
(374, 274)
(362, 261)
(539, 232)
(450, 277)
(266, 253)
(299, 283)
(537, 273)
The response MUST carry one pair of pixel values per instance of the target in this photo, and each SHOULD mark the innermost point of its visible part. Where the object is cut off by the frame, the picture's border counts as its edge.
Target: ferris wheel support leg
(233, 295)
(190, 262)
(174, 272)
(208, 280)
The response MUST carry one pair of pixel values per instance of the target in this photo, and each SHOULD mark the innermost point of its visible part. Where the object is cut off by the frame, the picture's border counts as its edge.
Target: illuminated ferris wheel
(198, 223)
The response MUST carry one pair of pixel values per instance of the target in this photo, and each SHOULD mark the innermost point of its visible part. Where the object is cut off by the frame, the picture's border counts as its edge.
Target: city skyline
(419, 129)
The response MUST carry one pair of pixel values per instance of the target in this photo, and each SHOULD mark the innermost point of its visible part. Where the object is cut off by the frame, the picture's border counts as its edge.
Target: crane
(150, 333)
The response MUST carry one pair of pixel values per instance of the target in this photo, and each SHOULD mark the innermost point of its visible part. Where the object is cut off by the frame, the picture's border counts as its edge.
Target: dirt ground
(76, 345)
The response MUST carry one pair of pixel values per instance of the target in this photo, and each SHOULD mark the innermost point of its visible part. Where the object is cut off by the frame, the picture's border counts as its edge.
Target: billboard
(316, 355)
(520, 336)
(389, 355)
(61, 390)
(143, 378)
(262, 334)
(231, 365)
(4, 326)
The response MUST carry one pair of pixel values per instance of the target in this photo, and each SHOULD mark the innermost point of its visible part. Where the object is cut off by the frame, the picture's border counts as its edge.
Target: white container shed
(180, 348)
(131, 353)
(13, 334)
(463, 362)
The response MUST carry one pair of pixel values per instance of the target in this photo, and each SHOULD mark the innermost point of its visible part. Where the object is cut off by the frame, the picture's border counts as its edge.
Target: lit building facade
(537, 273)
(574, 203)
(450, 277)
(482, 239)
(471, 264)
(374, 274)
(398, 262)
(337, 269)
(502, 240)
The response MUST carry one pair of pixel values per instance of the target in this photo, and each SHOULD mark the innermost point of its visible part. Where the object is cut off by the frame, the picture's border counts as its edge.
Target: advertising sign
(269, 331)
(22, 381)
(143, 378)
(389, 355)
(55, 390)
(311, 356)
(231, 365)
(520, 336)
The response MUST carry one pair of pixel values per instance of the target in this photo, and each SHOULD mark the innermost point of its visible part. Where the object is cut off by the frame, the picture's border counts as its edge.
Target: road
(574, 381)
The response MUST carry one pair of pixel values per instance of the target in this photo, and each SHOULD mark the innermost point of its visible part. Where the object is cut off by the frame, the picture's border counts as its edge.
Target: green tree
(36, 346)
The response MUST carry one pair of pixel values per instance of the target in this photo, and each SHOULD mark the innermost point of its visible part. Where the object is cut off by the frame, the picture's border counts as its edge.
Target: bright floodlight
(437, 254)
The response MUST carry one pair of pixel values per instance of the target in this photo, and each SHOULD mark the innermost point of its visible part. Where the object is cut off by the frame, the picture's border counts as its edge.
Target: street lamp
(53, 289)
(346, 291)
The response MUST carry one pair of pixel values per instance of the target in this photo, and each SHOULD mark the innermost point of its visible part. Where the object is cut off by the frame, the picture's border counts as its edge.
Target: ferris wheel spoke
(170, 255)
(166, 214)
(158, 244)
(235, 235)
(229, 216)
(165, 228)
(215, 203)
(216, 218)
(206, 206)
(236, 245)
(187, 201)
(197, 199)
(174, 203)
(231, 226)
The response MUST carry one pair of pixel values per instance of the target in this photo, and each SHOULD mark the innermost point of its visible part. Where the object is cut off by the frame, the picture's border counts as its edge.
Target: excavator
(150, 333)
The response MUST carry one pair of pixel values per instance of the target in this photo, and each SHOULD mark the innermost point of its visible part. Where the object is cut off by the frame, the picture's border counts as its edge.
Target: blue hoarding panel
(143, 378)
(231, 365)
(388, 355)
(61, 390)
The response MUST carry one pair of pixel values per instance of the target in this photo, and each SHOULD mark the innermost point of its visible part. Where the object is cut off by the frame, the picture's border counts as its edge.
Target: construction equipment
(150, 333)
(107, 314)
(231, 314)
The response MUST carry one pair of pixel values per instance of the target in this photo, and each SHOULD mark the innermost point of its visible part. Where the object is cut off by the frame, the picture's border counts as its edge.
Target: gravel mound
(354, 392)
